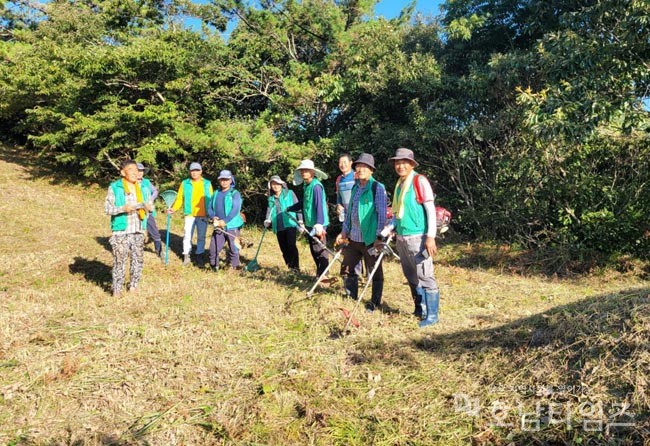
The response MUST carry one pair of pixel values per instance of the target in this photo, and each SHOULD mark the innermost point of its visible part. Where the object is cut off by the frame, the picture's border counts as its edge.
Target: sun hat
(195, 166)
(276, 179)
(367, 159)
(307, 165)
(404, 154)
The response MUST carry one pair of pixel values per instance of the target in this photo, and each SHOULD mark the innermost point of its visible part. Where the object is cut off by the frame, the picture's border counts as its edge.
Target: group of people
(362, 208)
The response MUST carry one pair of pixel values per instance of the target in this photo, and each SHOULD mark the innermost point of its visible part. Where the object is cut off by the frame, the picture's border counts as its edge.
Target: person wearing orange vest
(194, 195)
(128, 208)
(414, 222)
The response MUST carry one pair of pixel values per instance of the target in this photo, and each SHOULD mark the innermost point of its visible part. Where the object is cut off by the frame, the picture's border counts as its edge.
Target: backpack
(443, 216)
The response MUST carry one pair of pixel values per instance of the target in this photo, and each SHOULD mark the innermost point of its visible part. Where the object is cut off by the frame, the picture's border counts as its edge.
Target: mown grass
(225, 358)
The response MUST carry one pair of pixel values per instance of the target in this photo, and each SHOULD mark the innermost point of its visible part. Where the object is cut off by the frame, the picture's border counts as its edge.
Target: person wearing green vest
(128, 208)
(150, 192)
(365, 218)
(314, 212)
(414, 221)
(194, 196)
(282, 222)
(225, 212)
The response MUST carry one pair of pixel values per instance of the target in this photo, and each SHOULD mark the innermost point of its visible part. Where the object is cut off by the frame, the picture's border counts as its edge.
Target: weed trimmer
(169, 197)
(253, 266)
(324, 274)
(385, 249)
(302, 229)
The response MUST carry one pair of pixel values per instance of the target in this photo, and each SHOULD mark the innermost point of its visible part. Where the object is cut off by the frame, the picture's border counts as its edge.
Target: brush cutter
(253, 266)
(301, 228)
(385, 249)
(324, 274)
(169, 197)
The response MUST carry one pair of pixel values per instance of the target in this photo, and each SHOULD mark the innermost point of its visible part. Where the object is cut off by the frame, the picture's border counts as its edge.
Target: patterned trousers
(123, 245)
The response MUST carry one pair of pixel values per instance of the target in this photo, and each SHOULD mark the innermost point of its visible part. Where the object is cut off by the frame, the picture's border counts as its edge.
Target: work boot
(352, 287)
(419, 301)
(186, 259)
(200, 260)
(432, 299)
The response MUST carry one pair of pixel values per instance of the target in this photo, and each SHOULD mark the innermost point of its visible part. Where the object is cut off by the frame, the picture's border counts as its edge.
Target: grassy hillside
(198, 357)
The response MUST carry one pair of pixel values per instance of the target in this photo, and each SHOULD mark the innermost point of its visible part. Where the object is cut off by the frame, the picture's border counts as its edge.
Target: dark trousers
(152, 229)
(287, 242)
(217, 243)
(319, 254)
(352, 256)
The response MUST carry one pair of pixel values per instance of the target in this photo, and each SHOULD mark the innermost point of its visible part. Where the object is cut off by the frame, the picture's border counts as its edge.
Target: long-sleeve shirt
(317, 204)
(352, 225)
(428, 201)
(199, 204)
(133, 222)
(279, 221)
(219, 206)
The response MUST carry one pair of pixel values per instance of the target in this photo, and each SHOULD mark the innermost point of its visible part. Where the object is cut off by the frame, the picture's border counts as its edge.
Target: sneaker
(186, 259)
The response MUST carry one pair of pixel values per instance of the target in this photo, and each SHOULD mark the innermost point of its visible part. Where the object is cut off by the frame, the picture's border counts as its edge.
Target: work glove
(386, 231)
(267, 223)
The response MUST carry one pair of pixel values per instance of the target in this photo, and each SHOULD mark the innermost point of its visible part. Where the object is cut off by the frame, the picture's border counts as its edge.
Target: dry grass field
(230, 358)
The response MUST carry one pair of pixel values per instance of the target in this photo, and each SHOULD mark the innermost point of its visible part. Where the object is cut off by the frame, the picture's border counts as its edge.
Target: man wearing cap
(150, 193)
(225, 212)
(128, 208)
(194, 195)
(364, 221)
(282, 222)
(414, 221)
(314, 211)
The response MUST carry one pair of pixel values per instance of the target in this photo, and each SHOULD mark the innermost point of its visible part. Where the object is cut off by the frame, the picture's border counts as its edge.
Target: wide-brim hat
(367, 159)
(309, 165)
(276, 179)
(404, 154)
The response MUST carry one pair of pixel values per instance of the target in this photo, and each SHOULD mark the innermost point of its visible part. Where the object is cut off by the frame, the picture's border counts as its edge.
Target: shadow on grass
(93, 271)
(598, 345)
(175, 244)
(557, 263)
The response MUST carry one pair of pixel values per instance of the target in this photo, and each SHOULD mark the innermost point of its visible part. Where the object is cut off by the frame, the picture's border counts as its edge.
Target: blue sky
(392, 8)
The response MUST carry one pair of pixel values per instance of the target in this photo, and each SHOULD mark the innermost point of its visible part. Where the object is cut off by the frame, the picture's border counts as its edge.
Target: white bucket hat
(307, 164)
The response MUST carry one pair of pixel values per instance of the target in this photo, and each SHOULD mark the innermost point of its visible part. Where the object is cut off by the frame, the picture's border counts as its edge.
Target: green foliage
(528, 117)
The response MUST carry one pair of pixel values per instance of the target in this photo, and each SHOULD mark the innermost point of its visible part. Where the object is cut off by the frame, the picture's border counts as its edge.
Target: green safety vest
(309, 213)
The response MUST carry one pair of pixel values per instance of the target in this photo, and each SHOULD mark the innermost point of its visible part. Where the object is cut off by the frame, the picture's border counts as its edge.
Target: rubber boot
(419, 302)
(352, 287)
(186, 259)
(375, 299)
(432, 298)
